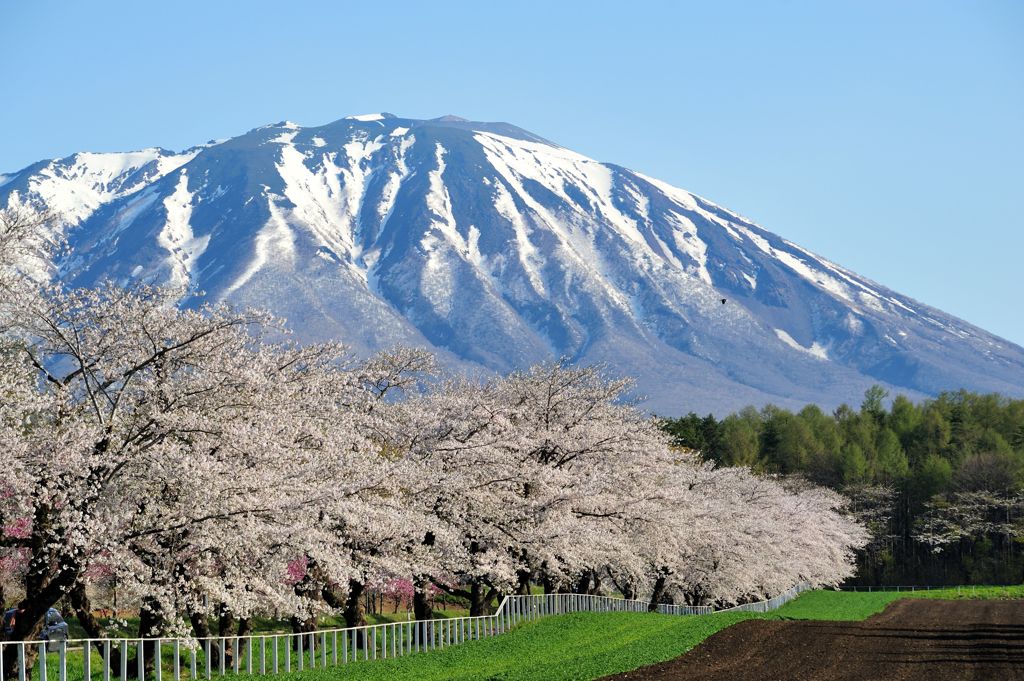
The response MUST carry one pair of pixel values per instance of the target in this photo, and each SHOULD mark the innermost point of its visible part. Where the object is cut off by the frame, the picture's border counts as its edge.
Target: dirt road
(912, 640)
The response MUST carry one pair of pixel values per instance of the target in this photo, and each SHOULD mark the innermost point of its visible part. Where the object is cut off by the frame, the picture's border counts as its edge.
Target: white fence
(205, 658)
(960, 588)
(771, 603)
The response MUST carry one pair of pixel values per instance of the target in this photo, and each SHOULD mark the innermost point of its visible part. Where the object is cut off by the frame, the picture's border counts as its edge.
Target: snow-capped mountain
(498, 248)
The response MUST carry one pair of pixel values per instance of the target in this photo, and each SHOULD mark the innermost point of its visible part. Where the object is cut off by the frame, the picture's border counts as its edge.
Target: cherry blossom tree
(548, 476)
(213, 471)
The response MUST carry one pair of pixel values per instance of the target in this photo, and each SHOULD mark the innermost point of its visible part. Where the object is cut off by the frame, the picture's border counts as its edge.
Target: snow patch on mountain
(137, 205)
(815, 350)
(440, 203)
(275, 242)
(183, 247)
(684, 198)
(316, 197)
(395, 179)
(687, 239)
(526, 252)
(78, 185)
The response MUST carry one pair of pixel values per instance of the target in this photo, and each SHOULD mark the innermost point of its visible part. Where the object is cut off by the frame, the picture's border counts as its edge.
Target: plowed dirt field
(912, 640)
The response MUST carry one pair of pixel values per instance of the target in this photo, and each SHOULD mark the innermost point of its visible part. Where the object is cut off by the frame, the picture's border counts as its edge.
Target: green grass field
(587, 645)
(577, 646)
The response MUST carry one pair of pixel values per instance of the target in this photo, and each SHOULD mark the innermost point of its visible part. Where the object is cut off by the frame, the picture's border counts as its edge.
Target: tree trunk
(549, 584)
(82, 608)
(201, 627)
(421, 607)
(524, 582)
(658, 593)
(151, 625)
(50, 575)
(626, 588)
(476, 598)
(355, 614)
(333, 597)
(301, 626)
(244, 626)
(480, 598)
(583, 584)
(225, 624)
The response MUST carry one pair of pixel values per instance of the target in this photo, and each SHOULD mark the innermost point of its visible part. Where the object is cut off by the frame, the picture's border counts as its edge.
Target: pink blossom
(21, 528)
(297, 570)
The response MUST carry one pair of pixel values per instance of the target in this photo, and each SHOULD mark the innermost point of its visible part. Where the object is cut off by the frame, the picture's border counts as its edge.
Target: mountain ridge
(498, 248)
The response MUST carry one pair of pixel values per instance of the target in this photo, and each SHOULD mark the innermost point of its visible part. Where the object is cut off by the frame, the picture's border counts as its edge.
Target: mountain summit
(498, 248)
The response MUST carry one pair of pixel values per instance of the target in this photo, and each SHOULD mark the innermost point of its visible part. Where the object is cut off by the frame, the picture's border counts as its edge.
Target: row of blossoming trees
(218, 470)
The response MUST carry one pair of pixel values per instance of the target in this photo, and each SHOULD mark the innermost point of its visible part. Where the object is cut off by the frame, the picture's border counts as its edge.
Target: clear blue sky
(887, 136)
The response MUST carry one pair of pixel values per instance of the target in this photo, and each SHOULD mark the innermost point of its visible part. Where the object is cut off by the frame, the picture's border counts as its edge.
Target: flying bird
(723, 301)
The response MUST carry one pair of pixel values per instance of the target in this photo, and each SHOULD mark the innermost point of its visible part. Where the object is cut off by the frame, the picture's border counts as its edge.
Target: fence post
(62, 661)
(105, 659)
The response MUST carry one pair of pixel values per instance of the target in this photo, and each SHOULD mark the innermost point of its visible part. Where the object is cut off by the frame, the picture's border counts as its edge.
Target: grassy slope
(590, 645)
(577, 646)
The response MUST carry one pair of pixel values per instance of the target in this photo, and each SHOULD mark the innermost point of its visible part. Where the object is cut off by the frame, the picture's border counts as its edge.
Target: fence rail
(205, 658)
(771, 603)
(971, 588)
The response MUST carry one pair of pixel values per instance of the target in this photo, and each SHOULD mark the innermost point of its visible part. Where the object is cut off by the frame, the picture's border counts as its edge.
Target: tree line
(938, 482)
(216, 469)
